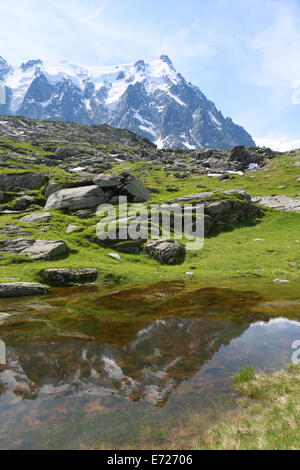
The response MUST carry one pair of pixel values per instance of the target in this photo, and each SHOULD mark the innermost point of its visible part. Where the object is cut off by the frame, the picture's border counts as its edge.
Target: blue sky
(244, 55)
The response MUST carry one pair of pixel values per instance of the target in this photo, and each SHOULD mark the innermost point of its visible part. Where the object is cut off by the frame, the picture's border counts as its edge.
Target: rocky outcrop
(22, 289)
(39, 132)
(106, 188)
(165, 251)
(36, 249)
(246, 156)
(65, 277)
(76, 198)
(21, 181)
(221, 212)
(280, 203)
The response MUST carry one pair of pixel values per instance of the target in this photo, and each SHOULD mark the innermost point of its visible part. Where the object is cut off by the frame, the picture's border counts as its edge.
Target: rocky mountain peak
(148, 98)
(167, 60)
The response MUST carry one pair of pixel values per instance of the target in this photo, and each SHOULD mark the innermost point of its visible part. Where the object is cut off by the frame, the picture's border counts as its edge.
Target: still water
(143, 367)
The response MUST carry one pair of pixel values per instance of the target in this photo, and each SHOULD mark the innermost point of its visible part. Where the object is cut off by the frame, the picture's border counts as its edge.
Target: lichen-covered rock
(73, 228)
(165, 251)
(83, 197)
(36, 217)
(218, 207)
(64, 277)
(36, 249)
(22, 289)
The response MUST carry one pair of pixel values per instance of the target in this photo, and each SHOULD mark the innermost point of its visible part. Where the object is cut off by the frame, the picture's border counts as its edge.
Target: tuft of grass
(244, 375)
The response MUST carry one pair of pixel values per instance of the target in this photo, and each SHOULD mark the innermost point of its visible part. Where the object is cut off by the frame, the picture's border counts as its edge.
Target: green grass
(235, 253)
(244, 375)
(268, 416)
(228, 255)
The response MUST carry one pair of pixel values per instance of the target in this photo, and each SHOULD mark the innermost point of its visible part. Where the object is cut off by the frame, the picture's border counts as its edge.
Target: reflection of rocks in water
(171, 298)
(150, 367)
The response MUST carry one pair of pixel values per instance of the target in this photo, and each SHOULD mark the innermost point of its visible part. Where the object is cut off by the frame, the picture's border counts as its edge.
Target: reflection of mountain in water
(149, 367)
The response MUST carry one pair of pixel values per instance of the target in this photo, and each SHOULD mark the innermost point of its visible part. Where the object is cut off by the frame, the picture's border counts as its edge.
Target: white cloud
(277, 48)
(280, 145)
(96, 13)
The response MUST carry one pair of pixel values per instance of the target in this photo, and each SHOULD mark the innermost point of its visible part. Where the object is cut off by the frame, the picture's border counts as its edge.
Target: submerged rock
(165, 251)
(22, 289)
(63, 276)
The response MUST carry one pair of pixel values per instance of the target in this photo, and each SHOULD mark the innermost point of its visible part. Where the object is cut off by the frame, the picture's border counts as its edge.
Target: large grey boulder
(36, 249)
(36, 217)
(22, 289)
(76, 198)
(165, 251)
(21, 181)
(124, 184)
(63, 277)
(135, 189)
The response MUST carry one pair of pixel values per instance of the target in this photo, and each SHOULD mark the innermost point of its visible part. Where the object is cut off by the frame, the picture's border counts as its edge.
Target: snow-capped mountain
(150, 99)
